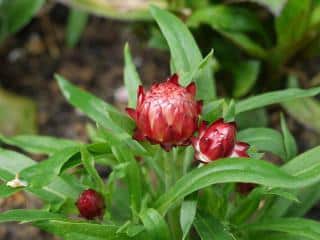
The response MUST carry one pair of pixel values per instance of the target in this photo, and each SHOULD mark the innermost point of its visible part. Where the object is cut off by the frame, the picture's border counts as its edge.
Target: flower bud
(218, 141)
(167, 114)
(90, 204)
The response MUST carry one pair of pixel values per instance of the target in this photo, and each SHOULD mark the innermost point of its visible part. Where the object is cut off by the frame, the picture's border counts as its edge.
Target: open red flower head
(167, 114)
(218, 141)
(90, 204)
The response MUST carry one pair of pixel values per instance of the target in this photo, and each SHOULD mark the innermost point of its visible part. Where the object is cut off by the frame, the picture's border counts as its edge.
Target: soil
(30, 58)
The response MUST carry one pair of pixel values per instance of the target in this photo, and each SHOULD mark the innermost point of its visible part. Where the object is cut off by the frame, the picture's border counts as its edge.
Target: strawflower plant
(180, 168)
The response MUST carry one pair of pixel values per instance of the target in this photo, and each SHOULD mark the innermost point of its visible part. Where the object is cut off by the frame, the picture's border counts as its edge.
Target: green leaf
(38, 144)
(213, 110)
(274, 236)
(185, 54)
(59, 188)
(235, 170)
(315, 16)
(77, 21)
(54, 188)
(14, 14)
(308, 197)
(101, 112)
(229, 111)
(89, 165)
(245, 43)
(280, 96)
(245, 76)
(210, 228)
(295, 226)
(303, 164)
(221, 17)
(156, 226)
(264, 139)
(133, 175)
(291, 28)
(257, 118)
(281, 193)
(306, 112)
(293, 22)
(67, 227)
(12, 163)
(131, 78)
(275, 6)
(290, 144)
(40, 174)
(78, 236)
(187, 215)
(250, 204)
(25, 215)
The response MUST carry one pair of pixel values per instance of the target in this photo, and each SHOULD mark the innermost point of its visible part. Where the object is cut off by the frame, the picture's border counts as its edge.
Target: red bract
(167, 114)
(91, 204)
(240, 150)
(245, 188)
(218, 141)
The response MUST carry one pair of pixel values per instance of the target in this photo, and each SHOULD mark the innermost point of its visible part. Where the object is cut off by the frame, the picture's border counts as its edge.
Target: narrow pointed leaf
(38, 144)
(235, 170)
(296, 226)
(185, 54)
(290, 144)
(210, 228)
(24, 215)
(131, 78)
(280, 96)
(264, 139)
(155, 224)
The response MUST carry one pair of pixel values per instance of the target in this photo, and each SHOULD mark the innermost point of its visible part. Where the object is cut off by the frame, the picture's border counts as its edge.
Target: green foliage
(131, 78)
(298, 227)
(264, 139)
(14, 14)
(154, 194)
(185, 53)
(77, 21)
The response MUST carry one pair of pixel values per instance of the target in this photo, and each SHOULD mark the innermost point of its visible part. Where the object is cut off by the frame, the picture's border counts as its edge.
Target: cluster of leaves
(256, 43)
(253, 36)
(162, 196)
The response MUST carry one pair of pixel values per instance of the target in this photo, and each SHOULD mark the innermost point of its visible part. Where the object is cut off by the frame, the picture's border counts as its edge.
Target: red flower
(240, 150)
(218, 141)
(90, 204)
(167, 114)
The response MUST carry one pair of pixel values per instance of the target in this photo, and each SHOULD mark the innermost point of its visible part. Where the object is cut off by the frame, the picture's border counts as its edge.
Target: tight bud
(218, 141)
(90, 204)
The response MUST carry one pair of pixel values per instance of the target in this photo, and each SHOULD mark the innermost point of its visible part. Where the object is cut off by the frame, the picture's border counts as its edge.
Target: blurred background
(258, 46)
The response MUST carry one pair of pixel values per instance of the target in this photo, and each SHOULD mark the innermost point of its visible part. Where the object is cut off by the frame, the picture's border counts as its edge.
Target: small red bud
(90, 204)
(218, 141)
(167, 114)
(245, 188)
